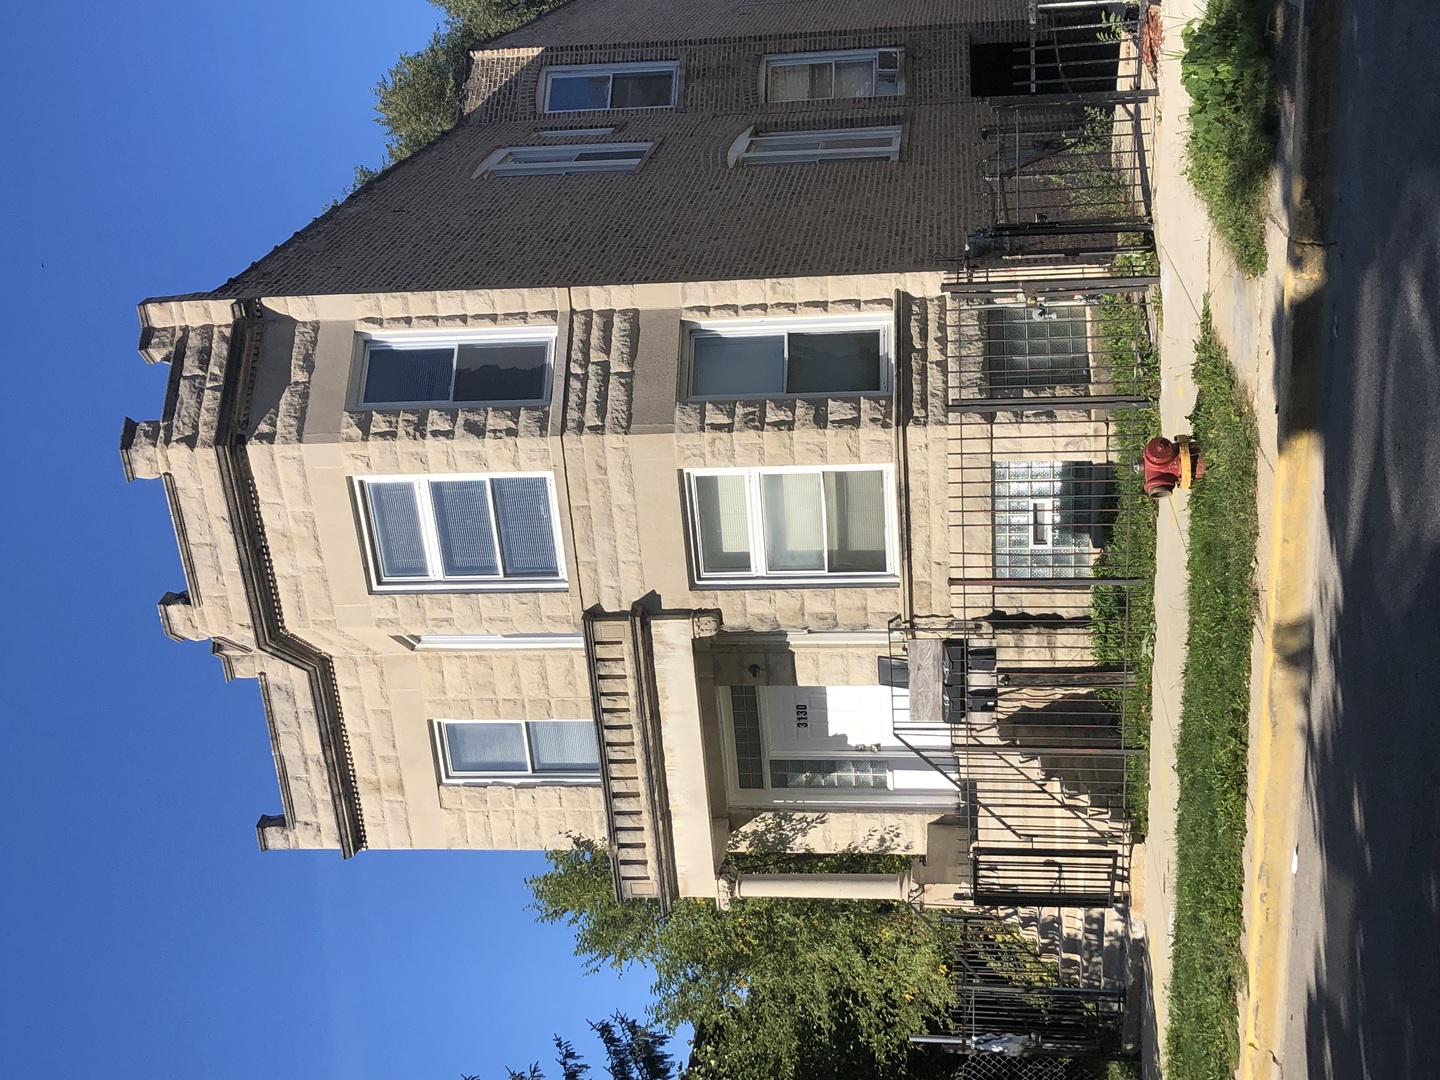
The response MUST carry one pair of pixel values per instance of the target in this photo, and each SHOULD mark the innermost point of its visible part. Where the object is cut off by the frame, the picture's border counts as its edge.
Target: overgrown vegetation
(1215, 705)
(1124, 618)
(419, 98)
(773, 988)
(1226, 68)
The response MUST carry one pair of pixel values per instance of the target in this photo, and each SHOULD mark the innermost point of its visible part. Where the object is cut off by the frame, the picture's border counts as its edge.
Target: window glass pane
(462, 518)
(399, 375)
(834, 363)
(854, 78)
(527, 537)
(641, 90)
(855, 521)
(794, 529)
(749, 750)
(395, 521)
(858, 142)
(575, 93)
(799, 82)
(510, 372)
(482, 748)
(828, 773)
(564, 746)
(724, 525)
(738, 366)
(609, 155)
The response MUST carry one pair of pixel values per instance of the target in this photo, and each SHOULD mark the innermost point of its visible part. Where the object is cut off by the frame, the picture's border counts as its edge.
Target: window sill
(469, 587)
(832, 581)
(522, 781)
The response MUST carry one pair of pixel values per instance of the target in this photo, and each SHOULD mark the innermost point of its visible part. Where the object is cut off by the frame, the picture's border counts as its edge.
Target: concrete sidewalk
(1250, 318)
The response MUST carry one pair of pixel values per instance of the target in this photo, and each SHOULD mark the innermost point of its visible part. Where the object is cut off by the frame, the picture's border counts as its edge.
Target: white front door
(823, 744)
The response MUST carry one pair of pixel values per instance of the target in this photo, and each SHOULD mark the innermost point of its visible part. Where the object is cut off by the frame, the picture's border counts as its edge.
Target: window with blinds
(848, 73)
(489, 750)
(792, 523)
(767, 358)
(436, 532)
(810, 147)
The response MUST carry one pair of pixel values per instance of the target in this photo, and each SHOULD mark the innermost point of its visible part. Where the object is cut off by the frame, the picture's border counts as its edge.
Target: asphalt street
(1364, 960)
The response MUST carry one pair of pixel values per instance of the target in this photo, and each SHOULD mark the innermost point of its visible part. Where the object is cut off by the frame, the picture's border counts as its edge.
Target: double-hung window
(592, 87)
(849, 73)
(463, 532)
(590, 157)
(809, 147)
(501, 367)
(799, 524)
(790, 357)
(548, 751)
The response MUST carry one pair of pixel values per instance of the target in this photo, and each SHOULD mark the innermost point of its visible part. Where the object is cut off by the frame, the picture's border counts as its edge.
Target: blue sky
(155, 147)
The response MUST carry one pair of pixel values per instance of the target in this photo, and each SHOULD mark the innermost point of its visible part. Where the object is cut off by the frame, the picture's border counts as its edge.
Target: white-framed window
(465, 531)
(487, 367)
(846, 73)
(793, 524)
(593, 87)
(764, 358)
(808, 147)
(588, 157)
(511, 751)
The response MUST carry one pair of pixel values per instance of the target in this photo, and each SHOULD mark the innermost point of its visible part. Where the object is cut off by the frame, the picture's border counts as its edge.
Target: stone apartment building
(606, 468)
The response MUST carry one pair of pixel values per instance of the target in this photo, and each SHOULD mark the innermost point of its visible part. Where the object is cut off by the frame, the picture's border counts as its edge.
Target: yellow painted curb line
(1284, 710)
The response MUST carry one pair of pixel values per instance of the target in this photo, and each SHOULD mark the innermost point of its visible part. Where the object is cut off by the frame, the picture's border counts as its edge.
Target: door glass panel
(855, 522)
(395, 516)
(724, 524)
(482, 748)
(462, 518)
(509, 372)
(834, 363)
(738, 366)
(527, 535)
(851, 773)
(794, 527)
(577, 93)
(404, 375)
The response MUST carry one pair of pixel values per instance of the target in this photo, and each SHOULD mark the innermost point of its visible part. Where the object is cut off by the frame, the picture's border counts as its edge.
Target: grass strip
(1123, 619)
(1208, 968)
(1226, 68)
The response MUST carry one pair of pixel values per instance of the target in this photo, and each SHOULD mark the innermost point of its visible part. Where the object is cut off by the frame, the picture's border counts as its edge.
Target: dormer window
(593, 87)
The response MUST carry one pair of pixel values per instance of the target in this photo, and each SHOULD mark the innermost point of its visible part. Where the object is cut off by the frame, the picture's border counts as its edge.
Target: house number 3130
(802, 716)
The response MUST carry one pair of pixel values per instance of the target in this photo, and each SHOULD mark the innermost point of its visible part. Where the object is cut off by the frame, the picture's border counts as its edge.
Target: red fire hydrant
(1169, 464)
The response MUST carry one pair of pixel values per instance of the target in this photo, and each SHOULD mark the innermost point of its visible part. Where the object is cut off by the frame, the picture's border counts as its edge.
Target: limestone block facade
(269, 453)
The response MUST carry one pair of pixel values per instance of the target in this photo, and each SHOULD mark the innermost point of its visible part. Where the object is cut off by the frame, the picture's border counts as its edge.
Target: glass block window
(1026, 352)
(1047, 515)
(474, 750)
(749, 749)
(473, 531)
(849, 773)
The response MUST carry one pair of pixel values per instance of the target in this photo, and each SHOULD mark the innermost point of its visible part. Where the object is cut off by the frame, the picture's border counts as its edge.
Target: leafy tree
(774, 988)
(419, 98)
(632, 1051)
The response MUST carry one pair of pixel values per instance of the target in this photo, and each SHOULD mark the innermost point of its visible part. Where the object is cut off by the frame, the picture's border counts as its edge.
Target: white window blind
(852, 73)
